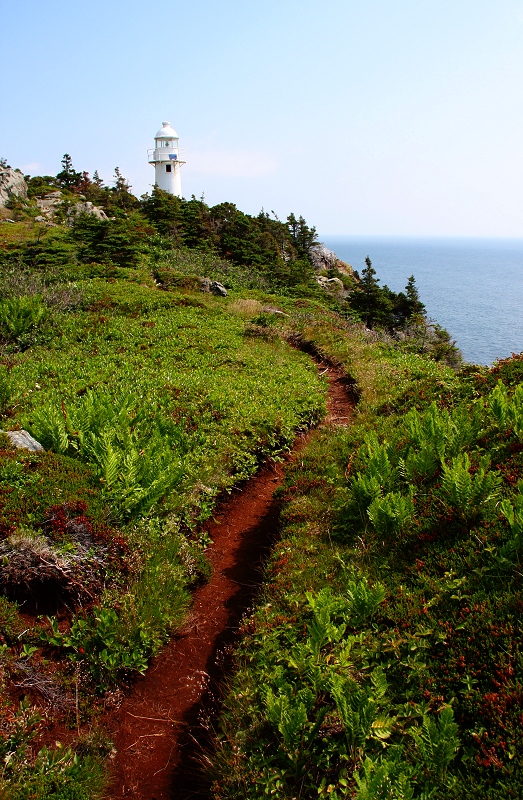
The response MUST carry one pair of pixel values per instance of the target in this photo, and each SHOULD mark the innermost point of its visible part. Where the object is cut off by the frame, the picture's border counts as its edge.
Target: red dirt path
(161, 724)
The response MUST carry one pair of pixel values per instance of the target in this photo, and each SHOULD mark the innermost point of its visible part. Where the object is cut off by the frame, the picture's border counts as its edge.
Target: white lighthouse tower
(166, 160)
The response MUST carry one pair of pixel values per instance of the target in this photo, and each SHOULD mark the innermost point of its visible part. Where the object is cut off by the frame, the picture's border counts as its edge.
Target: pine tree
(370, 301)
(68, 176)
(414, 304)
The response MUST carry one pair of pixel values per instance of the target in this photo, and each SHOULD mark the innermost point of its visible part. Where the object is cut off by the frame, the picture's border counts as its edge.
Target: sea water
(472, 287)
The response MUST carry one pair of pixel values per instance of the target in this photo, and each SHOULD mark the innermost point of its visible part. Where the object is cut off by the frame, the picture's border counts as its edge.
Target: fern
(514, 516)
(438, 434)
(20, 315)
(288, 712)
(135, 457)
(386, 779)
(379, 474)
(437, 743)
(364, 599)
(359, 710)
(322, 631)
(391, 513)
(467, 493)
(48, 426)
(507, 410)
(429, 431)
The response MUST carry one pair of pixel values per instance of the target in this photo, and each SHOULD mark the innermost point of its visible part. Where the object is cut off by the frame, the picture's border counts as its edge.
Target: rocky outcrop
(330, 283)
(324, 259)
(48, 204)
(85, 208)
(12, 183)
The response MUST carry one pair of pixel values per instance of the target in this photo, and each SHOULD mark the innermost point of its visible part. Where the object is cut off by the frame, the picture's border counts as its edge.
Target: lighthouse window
(167, 167)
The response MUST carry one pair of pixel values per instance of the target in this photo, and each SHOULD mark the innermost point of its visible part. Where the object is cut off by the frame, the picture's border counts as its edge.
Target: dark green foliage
(303, 238)
(19, 318)
(279, 251)
(380, 307)
(47, 253)
(40, 185)
(120, 241)
(68, 176)
(373, 304)
(163, 210)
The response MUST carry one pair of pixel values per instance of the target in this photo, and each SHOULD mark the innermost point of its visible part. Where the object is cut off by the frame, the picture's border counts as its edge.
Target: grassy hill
(382, 660)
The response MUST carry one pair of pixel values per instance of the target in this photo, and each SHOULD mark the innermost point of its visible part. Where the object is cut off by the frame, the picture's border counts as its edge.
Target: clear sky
(365, 116)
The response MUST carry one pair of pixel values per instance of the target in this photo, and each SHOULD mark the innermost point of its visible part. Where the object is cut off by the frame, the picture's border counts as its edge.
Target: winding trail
(165, 719)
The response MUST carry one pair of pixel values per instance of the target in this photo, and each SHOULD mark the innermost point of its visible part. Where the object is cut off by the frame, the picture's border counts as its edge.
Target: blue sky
(376, 117)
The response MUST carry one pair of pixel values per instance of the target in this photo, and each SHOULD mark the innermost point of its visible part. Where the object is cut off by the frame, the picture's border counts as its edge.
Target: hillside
(381, 659)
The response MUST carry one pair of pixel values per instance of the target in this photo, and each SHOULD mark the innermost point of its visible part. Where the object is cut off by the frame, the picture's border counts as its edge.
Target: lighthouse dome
(166, 132)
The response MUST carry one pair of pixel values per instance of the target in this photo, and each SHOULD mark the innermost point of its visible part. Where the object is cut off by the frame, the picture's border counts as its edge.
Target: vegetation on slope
(151, 398)
(383, 660)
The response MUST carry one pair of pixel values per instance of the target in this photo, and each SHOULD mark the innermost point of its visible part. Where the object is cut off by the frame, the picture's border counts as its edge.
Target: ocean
(472, 287)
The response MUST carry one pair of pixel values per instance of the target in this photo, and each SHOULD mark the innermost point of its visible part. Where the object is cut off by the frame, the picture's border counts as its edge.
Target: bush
(19, 317)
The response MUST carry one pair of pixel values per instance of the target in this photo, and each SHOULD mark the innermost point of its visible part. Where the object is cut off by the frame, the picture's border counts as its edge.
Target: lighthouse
(166, 160)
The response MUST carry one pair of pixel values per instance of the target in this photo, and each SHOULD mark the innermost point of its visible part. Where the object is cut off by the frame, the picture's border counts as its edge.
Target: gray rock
(39, 218)
(205, 284)
(12, 183)
(22, 439)
(322, 259)
(335, 283)
(49, 203)
(218, 289)
(85, 208)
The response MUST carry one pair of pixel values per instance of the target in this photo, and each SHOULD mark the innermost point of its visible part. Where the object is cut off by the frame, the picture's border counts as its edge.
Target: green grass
(150, 405)
(382, 659)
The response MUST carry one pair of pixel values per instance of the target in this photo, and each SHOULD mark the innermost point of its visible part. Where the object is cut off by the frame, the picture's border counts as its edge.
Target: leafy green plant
(436, 434)
(379, 474)
(507, 409)
(19, 316)
(437, 743)
(104, 644)
(288, 711)
(391, 513)
(137, 459)
(359, 708)
(513, 513)
(384, 779)
(466, 493)
(364, 598)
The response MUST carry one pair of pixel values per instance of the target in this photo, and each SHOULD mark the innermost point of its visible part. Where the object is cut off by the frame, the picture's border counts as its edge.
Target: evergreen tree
(415, 306)
(163, 210)
(98, 182)
(120, 193)
(303, 238)
(68, 177)
(373, 304)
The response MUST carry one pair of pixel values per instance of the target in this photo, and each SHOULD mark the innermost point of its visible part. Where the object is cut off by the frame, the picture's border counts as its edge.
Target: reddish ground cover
(165, 720)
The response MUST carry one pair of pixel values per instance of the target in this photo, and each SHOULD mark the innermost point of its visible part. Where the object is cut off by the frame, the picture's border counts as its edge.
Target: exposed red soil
(162, 723)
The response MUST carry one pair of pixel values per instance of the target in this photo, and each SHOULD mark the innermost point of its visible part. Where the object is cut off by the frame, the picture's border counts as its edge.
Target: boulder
(85, 208)
(12, 183)
(49, 203)
(218, 289)
(23, 440)
(205, 284)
